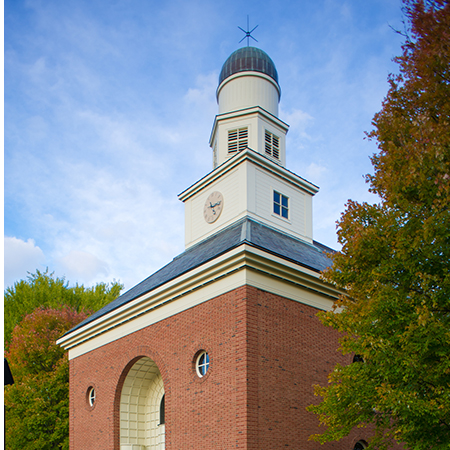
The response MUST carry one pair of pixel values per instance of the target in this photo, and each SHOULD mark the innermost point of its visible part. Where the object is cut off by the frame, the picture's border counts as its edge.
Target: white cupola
(248, 78)
(249, 179)
(248, 95)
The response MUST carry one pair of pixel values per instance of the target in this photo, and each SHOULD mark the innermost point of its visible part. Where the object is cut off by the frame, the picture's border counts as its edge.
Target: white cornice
(257, 159)
(248, 73)
(257, 267)
(168, 291)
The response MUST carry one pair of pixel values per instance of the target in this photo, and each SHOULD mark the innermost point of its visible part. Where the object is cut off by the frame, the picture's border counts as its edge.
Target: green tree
(43, 289)
(37, 404)
(37, 312)
(395, 260)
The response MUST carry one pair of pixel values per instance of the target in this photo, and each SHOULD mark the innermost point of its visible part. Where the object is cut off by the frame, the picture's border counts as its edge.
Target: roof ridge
(246, 232)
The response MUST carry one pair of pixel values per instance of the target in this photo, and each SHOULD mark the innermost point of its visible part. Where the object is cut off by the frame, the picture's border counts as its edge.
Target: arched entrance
(142, 408)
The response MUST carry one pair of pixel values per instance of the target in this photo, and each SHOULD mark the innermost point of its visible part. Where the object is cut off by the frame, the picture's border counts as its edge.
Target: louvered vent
(237, 140)
(272, 145)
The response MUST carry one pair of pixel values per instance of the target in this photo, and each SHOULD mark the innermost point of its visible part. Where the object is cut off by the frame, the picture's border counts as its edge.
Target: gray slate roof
(246, 231)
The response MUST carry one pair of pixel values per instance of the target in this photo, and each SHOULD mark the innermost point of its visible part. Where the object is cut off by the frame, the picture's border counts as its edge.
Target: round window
(202, 364)
(91, 396)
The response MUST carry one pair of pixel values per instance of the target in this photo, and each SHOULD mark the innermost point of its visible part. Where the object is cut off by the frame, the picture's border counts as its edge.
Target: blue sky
(109, 107)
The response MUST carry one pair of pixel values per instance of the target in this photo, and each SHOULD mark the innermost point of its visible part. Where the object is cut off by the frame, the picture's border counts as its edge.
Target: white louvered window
(237, 140)
(272, 145)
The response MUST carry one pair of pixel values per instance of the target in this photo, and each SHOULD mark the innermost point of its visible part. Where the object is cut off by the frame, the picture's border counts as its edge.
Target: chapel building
(221, 348)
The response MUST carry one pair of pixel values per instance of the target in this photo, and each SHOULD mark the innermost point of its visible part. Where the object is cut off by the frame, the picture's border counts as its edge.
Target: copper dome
(248, 59)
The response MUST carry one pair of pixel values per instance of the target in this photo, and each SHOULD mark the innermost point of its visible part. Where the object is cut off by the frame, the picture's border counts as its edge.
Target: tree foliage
(38, 311)
(43, 289)
(395, 259)
(37, 404)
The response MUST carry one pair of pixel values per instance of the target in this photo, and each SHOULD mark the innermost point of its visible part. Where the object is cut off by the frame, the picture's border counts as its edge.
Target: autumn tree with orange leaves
(395, 259)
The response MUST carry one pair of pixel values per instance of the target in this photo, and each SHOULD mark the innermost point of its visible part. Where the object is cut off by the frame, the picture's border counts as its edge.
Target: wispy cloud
(109, 108)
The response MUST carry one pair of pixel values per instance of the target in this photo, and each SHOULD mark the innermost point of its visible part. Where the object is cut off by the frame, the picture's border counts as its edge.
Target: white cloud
(36, 128)
(110, 227)
(82, 265)
(315, 172)
(21, 257)
(298, 121)
(203, 95)
(101, 134)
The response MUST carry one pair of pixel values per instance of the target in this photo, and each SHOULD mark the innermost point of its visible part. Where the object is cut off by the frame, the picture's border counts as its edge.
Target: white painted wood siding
(250, 122)
(234, 190)
(246, 91)
(299, 206)
(256, 124)
(248, 190)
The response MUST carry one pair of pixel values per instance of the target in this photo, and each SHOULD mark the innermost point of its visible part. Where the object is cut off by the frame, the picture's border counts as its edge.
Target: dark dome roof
(248, 59)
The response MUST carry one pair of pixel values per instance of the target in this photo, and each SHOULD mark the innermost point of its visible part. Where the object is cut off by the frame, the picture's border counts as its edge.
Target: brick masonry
(266, 354)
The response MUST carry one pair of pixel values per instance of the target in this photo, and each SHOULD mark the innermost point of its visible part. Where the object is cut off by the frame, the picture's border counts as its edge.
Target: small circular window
(202, 364)
(91, 396)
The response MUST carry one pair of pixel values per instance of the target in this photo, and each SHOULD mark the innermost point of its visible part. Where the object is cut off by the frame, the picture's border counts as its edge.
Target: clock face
(213, 207)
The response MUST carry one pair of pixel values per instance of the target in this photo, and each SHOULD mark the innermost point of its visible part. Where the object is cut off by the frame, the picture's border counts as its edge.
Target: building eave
(245, 112)
(254, 261)
(256, 158)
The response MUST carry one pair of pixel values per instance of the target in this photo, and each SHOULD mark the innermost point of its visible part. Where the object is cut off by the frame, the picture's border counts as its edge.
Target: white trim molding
(243, 265)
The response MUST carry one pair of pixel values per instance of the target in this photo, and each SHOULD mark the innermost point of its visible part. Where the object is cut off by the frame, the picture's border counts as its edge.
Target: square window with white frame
(280, 205)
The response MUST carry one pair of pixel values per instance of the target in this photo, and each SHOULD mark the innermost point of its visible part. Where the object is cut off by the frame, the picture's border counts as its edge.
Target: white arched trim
(140, 403)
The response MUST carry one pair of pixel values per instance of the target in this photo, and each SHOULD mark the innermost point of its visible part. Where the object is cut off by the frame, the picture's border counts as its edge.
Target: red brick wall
(197, 410)
(266, 353)
(294, 352)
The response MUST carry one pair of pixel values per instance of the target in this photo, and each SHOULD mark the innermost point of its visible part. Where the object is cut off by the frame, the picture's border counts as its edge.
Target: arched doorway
(141, 401)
